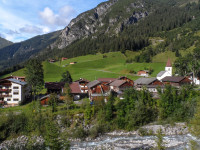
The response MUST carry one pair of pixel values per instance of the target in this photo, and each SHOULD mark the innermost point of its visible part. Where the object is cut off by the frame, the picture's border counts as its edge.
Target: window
(15, 87)
(8, 99)
(16, 99)
(16, 93)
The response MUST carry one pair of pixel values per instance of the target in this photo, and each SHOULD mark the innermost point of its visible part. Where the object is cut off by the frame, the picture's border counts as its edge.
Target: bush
(79, 133)
(97, 130)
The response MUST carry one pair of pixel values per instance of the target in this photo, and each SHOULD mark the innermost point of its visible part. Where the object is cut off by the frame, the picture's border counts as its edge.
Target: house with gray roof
(151, 84)
(120, 85)
(13, 91)
(98, 90)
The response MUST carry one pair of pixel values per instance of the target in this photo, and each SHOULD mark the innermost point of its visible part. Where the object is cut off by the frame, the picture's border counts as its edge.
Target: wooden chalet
(54, 87)
(64, 58)
(126, 79)
(72, 63)
(176, 81)
(83, 85)
(119, 86)
(144, 73)
(98, 90)
(106, 80)
(151, 84)
(76, 91)
(52, 60)
(44, 100)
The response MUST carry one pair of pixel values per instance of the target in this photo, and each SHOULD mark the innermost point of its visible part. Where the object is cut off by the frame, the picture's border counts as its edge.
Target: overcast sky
(23, 19)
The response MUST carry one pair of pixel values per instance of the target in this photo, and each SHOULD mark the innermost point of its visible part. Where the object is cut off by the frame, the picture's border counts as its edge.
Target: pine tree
(52, 135)
(195, 123)
(66, 77)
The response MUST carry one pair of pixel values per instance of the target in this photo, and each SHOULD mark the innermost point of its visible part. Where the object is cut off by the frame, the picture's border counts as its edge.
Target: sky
(23, 19)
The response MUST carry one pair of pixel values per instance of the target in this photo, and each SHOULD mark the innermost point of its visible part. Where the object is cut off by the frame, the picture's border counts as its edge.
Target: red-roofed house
(76, 90)
(63, 58)
(83, 83)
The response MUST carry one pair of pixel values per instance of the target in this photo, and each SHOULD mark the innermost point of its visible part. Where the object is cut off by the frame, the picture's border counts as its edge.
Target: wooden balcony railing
(5, 90)
(2, 96)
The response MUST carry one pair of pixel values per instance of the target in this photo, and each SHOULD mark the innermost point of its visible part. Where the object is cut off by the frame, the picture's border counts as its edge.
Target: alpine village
(124, 75)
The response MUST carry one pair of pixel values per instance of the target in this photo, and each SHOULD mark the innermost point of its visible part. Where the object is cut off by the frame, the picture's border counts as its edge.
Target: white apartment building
(13, 91)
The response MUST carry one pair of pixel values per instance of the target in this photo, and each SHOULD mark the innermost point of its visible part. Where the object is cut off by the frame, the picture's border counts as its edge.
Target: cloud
(23, 19)
(62, 18)
(12, 32)
(31, 29)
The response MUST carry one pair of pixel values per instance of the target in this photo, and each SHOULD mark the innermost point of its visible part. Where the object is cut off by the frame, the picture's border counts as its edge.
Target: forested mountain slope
(22, 51)
(117, 25)
(4, 42)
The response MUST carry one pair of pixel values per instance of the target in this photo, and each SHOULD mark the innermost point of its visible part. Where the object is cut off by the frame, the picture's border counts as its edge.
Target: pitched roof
(106, 79)
(169, 64)
(54, 85)
(93, 83)
(173, 79)
(81, 79)
(160, 74)
(144, 81)
(152, 86)
(75, 88)
(117, 83)
(17, 81)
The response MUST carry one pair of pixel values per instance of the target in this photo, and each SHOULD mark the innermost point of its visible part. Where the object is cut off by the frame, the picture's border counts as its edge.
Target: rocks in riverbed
(23, 142)
(177, 129)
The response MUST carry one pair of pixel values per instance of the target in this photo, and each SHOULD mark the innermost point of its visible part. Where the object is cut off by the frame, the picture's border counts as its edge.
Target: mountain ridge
(115, 25)
(4, 42)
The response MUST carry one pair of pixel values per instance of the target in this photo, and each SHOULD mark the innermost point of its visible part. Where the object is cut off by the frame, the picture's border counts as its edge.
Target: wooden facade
(176, 81)
(144, 73)
(127, 80)
(99, 91)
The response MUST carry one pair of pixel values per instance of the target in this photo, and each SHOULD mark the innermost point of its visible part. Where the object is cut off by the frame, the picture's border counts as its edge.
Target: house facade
(151, 84)
(176, 81)
(54, 87)
(143, 73)
(13, 91)
(98, 90)
(120, 85)
(83, 85)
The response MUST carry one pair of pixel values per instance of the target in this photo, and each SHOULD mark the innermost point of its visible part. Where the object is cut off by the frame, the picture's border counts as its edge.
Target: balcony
(5, 90)
(2, 96)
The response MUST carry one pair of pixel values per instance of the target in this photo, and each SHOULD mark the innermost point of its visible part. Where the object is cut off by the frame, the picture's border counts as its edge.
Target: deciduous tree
(34, 75)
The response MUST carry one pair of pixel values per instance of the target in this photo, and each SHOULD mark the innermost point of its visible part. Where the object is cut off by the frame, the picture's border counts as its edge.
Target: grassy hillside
(91, 67)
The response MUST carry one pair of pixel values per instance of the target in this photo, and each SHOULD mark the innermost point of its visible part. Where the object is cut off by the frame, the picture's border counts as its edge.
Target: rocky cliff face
(100, 20)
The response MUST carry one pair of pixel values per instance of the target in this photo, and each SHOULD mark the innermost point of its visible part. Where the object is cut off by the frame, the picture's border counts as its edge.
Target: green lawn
(163, 57)
(92, 67)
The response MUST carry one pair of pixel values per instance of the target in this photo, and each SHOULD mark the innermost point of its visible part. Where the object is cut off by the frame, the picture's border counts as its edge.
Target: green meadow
(91, 67)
